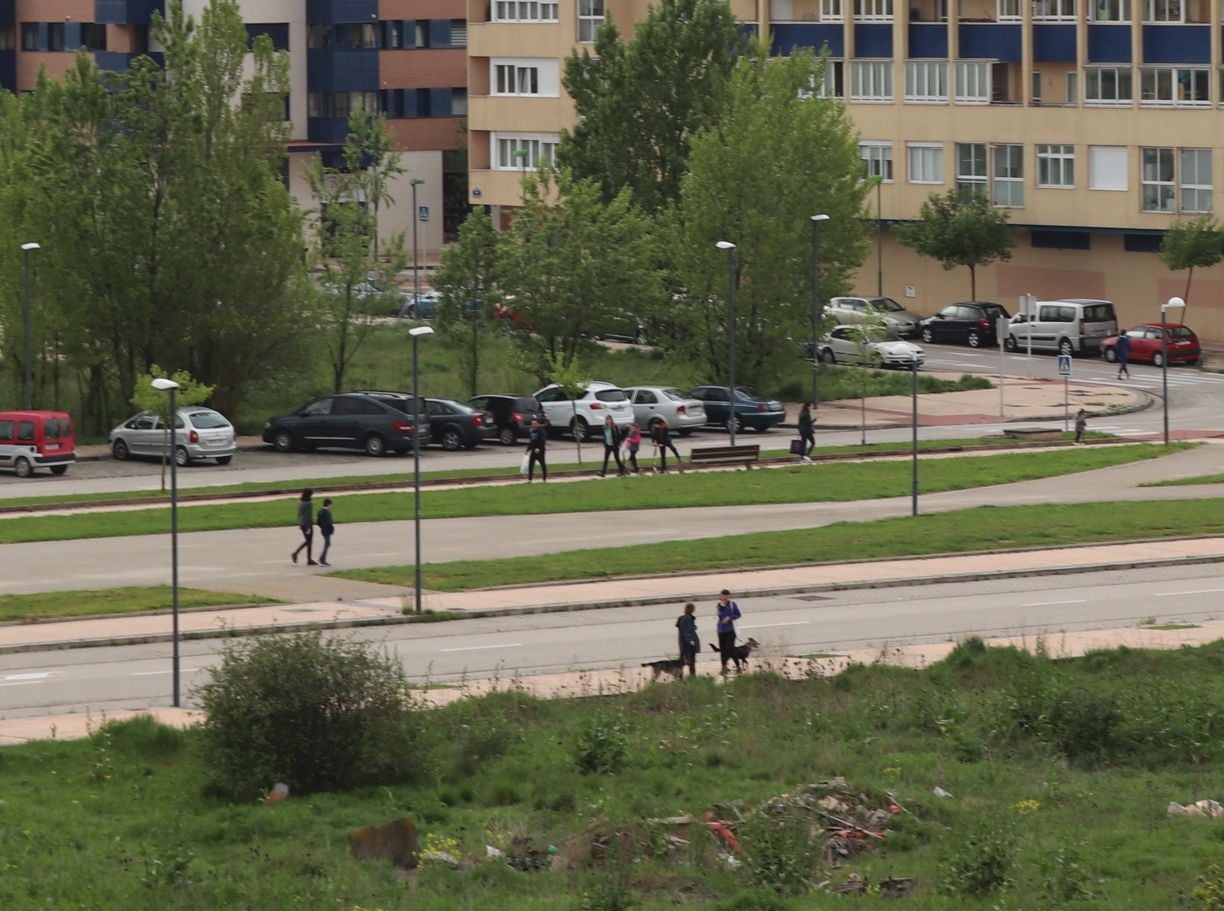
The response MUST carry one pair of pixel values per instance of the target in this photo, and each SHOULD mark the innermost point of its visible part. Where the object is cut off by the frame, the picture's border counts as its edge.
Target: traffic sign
(1064, 365)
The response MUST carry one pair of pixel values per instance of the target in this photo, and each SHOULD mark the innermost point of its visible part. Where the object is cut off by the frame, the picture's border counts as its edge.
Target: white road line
(186, 670)
(480, 648)
(1051, 603)
(22, 683)
(768, 625)
(1201, 591)
(32, 676)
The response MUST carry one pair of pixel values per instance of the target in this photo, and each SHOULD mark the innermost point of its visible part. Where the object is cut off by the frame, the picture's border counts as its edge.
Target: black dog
(740, 653)
(672, 666)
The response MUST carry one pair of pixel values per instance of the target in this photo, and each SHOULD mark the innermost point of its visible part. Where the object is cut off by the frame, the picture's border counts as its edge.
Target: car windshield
(611, 395)
(885, 305)
(457, 406)
(1180, 332)
(675, 394)
(207, 420)
(995, 311)
(526, 403)
(748, 392)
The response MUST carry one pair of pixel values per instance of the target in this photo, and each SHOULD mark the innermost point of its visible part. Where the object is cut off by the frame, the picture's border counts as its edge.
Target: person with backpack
(537, 443)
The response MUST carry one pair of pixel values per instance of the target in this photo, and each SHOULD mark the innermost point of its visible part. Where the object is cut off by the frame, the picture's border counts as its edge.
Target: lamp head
(417, 181)
(418, 331)
(725, 245)
(816, 218)
(163, 384)
(1175, 303)
(31, 246)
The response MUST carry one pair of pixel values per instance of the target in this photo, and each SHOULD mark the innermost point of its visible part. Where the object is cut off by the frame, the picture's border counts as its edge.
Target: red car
(1147, 344)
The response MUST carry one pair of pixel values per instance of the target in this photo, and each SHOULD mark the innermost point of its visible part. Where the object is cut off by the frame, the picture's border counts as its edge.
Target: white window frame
(1119, 75)
(1056, 166)
(1156, 180)
(591, 15)
(977, 177)
(973, 81)
(1156, 12)
(926, 81)
(525, 10)
(832, 11)
(877, 158)
(1163, 83)
(873, 10)
(1190, 181)
(1008, 10)
(1007, 176)
(1107, 168)
(871, 80)
(924, 161)
(541, 149)
(830, 78)
(1108, 7)
(524, 77)
(1054, 10)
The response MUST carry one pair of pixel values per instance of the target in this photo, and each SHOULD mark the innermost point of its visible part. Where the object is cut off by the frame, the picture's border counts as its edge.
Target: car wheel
(828, 356)
(507, 436)
(283, 441)
(58, 469)
(120, 451)
(181, 457)
(1110, 354)
(375, 445)
(974, 339)
(1158, 359)
(1011, 344)
(24, 468)
(581, 431)
(1064, 346)
(452, 439)
(927, 335)
(224, 460)
(684, 431)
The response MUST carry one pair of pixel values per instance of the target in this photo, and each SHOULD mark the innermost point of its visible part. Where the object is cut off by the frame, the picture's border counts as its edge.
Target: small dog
(740, 653)
(671, 666)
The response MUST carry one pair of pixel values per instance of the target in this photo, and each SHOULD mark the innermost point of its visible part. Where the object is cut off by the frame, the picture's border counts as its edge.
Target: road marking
(768, 625)
(1051, 603)
(186, 670)
(35, 675)
(479, 648)
(1201, 591)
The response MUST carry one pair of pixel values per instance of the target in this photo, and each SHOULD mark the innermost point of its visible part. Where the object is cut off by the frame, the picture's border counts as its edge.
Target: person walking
(728, 613)
(611, 441)
(537, 443)
(326, 527)
(690, 642)
(305, 521)
(1081, 424)
(1122, 350)
(660, 435)
(806, 432)
(633, 440)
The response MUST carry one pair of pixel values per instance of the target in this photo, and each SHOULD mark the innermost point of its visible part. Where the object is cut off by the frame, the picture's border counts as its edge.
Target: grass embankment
(1059, 776)
(799, 484)
(25, 608)
(1187, 482)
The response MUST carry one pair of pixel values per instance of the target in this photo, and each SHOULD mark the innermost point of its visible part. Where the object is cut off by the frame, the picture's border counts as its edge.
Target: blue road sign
(1064, 365)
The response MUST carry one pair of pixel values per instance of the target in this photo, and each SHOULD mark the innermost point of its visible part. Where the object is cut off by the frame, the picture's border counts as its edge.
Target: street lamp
(27, 388)
(166, 385)
(816, 220)
(417, 332)
(1175, 303)
(914, 422)
(416, 267)
(732, 419)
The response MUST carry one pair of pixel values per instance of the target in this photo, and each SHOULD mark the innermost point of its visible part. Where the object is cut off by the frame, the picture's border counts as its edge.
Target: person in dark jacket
(1122, 350)
(305, 521)
(660, 435)
(326, 527)
(806, 432)
(728, 613)
(690, 642)
(611, 441)
(537, 442)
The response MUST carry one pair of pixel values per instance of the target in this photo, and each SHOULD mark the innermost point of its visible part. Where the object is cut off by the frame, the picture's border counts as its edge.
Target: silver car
(842, 346)
(200, 433)
(681, 411)
(899, 321)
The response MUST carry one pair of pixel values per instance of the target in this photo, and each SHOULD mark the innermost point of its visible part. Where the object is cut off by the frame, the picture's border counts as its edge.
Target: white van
(1069, 326)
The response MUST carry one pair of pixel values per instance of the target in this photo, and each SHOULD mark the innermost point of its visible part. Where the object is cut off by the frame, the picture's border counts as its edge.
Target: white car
(199, 433)
(841, 346)
(681, 411)
(597, 401)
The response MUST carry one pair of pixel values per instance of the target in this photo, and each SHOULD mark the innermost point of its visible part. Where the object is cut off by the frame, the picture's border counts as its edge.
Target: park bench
(1033, 433)
(725, 455)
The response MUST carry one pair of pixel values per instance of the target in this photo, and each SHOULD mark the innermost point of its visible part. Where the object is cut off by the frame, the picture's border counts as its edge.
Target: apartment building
(405, 58)
(1094, 123)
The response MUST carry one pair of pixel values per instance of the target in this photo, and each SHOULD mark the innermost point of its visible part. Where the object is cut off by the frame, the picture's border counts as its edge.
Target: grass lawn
(1058, 776)
(60, 605)
(1187, 482)
(827, 482)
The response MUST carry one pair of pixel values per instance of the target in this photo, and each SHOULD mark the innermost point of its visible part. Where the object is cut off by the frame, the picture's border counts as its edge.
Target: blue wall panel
(788, 36)
(982, 41)
(126, 12)
(928, 39)
(8, 70)
(1109, 44)
(1176, 44)
(341, 70)
(327, 129)
(873, 41)
(342, 10)
(1053, 43)
(8, 12)
(439, 33)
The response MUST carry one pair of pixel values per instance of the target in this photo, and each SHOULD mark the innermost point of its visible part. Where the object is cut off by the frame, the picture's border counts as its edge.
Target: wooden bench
(1033, 433)
(725, 455)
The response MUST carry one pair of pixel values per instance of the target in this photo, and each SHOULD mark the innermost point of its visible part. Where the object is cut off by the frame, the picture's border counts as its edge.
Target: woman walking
(537, 441)
(806, 432)
(633, 440)
(611, 441)
(660, 435)
(690, 642)
(728, 613)
(305, 521)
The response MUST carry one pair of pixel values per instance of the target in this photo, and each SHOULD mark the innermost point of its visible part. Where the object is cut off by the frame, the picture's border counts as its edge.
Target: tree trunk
(574, 425)
(1186, 294)
(972, 282)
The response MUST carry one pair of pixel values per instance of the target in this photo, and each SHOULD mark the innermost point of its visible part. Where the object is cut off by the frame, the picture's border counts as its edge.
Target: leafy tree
(146, 398)
(568, 376)
(763, 203)
(1192, 242)
(865, 334)
(467, 283)
(640, 102)
(959, 229)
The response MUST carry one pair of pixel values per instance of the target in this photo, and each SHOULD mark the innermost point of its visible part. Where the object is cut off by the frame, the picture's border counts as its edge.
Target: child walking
(326, 527)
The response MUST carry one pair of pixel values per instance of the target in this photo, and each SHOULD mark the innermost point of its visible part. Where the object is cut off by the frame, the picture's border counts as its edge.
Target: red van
(36, 439)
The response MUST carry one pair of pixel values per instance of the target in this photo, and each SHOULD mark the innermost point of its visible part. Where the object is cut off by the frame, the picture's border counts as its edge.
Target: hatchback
(751, 408)
(512, 414)
(843, 346)
(1147, 343)
(199, 433)
(973, 322)
(375, 421)
(458, 426)
(681, 411)
(899, 321)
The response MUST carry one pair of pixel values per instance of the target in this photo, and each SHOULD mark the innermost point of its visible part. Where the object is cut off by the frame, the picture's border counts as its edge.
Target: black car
(512, 414)
(375, 422)
(971, 322)
(458, 426)
(751, 408)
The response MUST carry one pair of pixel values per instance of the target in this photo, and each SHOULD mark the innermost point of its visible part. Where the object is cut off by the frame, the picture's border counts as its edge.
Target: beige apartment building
(1094, 123)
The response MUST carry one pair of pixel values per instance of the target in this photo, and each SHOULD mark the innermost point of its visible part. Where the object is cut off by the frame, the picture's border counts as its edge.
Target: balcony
(928, 39)
(1109, 44)
(1174, 43)
(785, 37)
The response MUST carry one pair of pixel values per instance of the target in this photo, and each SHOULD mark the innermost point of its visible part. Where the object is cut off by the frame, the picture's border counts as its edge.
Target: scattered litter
(940, 792)
(732, 862)
(493, 853)
(722, 831)
(890, 886)
(1209, 808)
(279, 792)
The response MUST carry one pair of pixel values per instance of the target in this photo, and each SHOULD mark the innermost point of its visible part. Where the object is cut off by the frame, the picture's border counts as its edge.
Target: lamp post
(1175, 303)
(914, 423)
(732, 418)
(816, 220)
(416, 266)
(170, 386)
(879, 182)
(416, 332)
(27, 381)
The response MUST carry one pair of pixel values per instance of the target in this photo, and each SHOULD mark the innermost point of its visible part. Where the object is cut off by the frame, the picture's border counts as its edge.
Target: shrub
(980, 863)
(317, 714)
(779, 851)
(601, 747)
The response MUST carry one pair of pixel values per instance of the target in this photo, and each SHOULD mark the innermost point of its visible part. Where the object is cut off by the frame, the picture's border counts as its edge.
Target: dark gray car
(373, 421)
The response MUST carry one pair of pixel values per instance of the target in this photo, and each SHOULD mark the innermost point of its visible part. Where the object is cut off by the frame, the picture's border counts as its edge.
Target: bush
(980, 863)
(779, 851)
(601, 747)
(317, 714)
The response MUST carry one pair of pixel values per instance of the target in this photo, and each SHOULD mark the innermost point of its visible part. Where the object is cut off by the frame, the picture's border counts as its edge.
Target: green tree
(959, 229)
(568, 376)
(640, 102)
(146, 398)
(467, 283)
(763, 203)
(1192, 242)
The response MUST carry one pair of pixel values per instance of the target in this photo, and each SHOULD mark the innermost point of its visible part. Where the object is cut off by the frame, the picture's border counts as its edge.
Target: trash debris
(279, 792)
(732, 862)
(493, 853)
(890, 886)
(1210, 808)
(397, 841)
(940, 792)
(526, 858)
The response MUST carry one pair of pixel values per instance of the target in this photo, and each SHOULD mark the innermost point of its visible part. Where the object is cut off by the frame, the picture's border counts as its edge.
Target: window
(459, 102)
(590, 18)
(1194, 180)
(1008, 188)
(971, 167)
(878, 159)
(540, 149)
(525, 11)
(1073, 87)
(1054, 10)
(1107, 168)
(871, 80)
(1163, 11)
(55, 36)
(1110, 11)
(925, 162)
(29, 37)
(1173, 85)
(458, 33)
(93, 36)
(831, 11)
(1156, 179)
(1055, 166)
(873, 10)
(830, 84)
(517, 80)
(1107, 85)
(926, 80)
(1007, 10)
(973, 82)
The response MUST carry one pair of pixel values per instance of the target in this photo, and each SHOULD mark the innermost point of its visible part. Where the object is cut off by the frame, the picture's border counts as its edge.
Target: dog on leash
(740, 653)
(674, 667)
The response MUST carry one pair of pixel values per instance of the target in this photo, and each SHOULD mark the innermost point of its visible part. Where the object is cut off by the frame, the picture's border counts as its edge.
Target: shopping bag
(624, 451)
(796, 447)
(525, 465)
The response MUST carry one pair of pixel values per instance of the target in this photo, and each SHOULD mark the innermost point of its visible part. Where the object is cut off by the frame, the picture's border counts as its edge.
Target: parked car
(973, 322)
(1069, 326)
(598, 400)
(512, 414)
(1147, 344)
(374, 296)
(36, 439)
(899, 321)
(458, 426)
(842, 346)
(681, 411)
(751, 408)
(199, 433)
(373, 421)
(423, 307)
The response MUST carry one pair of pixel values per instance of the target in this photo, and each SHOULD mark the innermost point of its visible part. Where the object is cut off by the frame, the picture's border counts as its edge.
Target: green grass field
(25, 608)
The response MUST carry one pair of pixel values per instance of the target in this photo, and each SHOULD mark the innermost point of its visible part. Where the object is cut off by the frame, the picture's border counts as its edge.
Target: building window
(1107, 168)
(1007, 10)
(1156, 180)
(1072, 87)
(1054, 10)
(340, 105)
(831, 11)
(1055, 166)
(1174, 85)
(871, 80)
(1110, 11)
(925, 162)
(877, 156)
(1194, 180)
(540, 149)
(8, 38)
(971, 167)
(1107, 85)
(517, 80)
(1163, 11)
(458, 33)
(29, 37)
(590, 18)
(459, 102)
(873, 10)
(973, 82)
(926, 80)
(93, 36)
(829, 84)
(524, 11)
(1008, 191)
